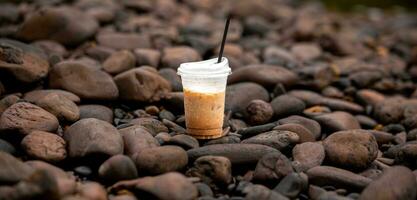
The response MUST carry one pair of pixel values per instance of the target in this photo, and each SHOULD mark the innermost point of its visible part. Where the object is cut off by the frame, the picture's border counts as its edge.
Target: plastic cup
(204, 85)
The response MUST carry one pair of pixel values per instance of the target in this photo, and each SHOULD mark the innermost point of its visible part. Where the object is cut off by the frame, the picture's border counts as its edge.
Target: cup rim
(225, 72)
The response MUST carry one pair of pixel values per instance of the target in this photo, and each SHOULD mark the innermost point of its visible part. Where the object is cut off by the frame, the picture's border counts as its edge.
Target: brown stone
(44, 146)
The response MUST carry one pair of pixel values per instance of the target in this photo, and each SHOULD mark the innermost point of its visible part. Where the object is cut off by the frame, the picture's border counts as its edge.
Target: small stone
(308, 155)
(159, 160)
(213, 170)
(136, 138)
(165, 114)
(25, 118)
(63, 108)
(204, 190)
(7, 147)
(238, 154)
(83, 171)
(184, 141)
(96, 111)
(272, 167)
(238, 99)
(76, 26)
(402, 185)
(26, 63)
(8, 101)
(148, 57)
(119, 62)
(265, 75)
(326, 175)
(277, 139)
(92, 190)
(93, 136)
(168, 186)
(86, 81)
(34, 95)
(259, 111)
(12, 170)
(313, 126)
(292, 185)
(142, 84)
(352, 149)
(172, 57)
(338, 121)
(152, 125)
(44, 146)
(286, 105)
(257, 192)
(121, 41)
(117, 168)
(224, 140)
(172, 77)
(306, 51)
(304, 134)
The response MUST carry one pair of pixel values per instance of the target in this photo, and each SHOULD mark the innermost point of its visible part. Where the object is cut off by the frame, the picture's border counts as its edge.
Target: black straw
(226, 27)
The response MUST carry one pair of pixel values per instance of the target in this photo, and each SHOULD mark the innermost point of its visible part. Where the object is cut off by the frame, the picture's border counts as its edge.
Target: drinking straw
(226, 27)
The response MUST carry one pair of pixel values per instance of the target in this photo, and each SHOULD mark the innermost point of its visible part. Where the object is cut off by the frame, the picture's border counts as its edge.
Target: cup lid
(205, 68)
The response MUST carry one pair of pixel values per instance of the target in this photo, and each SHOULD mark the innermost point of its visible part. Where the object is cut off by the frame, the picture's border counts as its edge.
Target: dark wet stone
(24, 118)
(326, 175)
(158, 160)
(117, 168)
(26, 63)
(286, 105)
(308, 155)
(7, 147)
(149, 57)
(213, 170)
(352, 149)
(83, 171)
(237, 153)
(75, 25)
(365, 121)
(402, 185)
(272, 167)
(103, 138)
(224, 140)
(86, 81)
(338, 121)
(44, 146)
(168, 186)
(204, 190)
(96, 111)
(258, 192)
(142, 84)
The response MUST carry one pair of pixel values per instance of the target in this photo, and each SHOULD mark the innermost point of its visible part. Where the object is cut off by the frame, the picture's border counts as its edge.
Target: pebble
(142, 84)
(76, 26)
(308, 155)
(136, 138)
(119, 62)
(277, 139)
(238, 99)
(292, 185)
(338, 121)
(86, 81)
(168, 186)
(96, 111)
(172, 57)
(148, 57)
(159, 160)
(24, 118)
(25, 62)
(286, 105)
(13, 170)
(44, 146)
(272, 167)
(402, 185)
(259, 111)
(327, 175)
(212, 170)
(117, 168)
(103, 138)
(352, 149)
(121, 41)
(34, 95)
(248, 153)
(63, 108)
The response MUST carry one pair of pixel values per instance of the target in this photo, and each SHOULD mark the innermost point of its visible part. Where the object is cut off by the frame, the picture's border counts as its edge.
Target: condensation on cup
(204, 85)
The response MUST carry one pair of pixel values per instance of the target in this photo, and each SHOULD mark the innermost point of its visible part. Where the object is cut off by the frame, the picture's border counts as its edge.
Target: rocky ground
(320, 105)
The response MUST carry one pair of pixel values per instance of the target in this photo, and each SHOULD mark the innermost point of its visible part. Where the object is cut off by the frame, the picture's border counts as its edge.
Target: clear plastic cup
(204, 85)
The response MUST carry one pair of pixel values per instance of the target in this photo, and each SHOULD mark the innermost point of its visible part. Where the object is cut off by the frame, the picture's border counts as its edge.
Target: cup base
(205, 133)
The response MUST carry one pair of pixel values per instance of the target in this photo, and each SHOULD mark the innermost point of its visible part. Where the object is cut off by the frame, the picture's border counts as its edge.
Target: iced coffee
(204, 86)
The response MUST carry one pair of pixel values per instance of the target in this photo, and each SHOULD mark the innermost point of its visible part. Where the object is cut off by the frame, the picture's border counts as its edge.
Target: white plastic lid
(208, 68)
